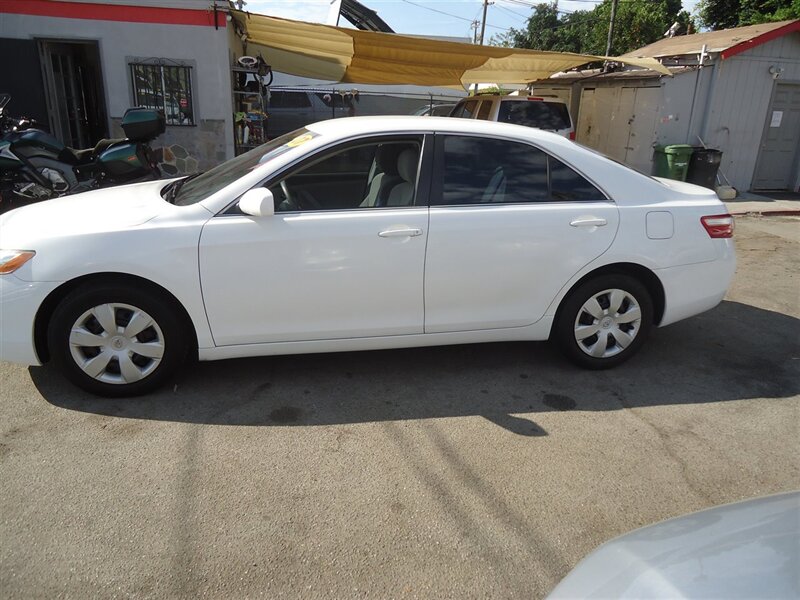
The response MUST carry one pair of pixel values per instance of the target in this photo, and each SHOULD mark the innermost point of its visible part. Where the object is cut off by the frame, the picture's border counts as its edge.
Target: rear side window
(568, 186)
(289, 100)
(535, 113)
(465, 110)
(484, 110)
(475, 170)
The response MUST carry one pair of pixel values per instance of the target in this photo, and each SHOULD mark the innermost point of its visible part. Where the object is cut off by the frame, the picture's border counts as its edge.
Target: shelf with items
(249, 116)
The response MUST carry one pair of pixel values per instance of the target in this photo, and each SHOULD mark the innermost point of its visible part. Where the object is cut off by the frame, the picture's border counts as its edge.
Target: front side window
(193, 189)
(475, 170)
(360, 175)
(164, 87)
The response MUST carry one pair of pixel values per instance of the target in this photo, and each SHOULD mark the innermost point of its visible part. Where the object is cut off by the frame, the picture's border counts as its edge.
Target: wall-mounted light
(775, 71)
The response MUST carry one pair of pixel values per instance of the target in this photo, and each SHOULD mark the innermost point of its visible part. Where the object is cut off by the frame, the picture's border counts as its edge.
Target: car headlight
(11, 260)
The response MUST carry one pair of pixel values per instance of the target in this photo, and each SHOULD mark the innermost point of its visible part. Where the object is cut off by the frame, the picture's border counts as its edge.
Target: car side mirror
(257, 202)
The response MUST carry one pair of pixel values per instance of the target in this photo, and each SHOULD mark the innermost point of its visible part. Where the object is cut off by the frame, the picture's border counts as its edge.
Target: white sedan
(360, 234)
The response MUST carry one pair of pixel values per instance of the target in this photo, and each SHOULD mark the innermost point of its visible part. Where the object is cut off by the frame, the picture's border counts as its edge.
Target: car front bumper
(19, 303)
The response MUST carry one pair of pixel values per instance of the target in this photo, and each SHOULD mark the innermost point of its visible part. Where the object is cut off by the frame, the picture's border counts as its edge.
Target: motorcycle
(35, 166)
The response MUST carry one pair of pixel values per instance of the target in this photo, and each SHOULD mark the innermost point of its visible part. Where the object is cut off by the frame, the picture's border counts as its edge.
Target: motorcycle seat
(87, 154)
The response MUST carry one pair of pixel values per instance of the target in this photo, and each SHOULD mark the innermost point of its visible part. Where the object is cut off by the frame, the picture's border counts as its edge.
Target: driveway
(463, 471)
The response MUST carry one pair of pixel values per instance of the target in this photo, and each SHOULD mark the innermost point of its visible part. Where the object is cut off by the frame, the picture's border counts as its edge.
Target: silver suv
(541, 112)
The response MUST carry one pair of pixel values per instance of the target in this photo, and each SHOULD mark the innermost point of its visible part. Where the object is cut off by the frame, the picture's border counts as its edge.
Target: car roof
(355, 126)
(510, 98)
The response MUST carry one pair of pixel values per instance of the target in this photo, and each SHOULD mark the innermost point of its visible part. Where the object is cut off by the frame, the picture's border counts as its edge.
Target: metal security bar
(164, 87)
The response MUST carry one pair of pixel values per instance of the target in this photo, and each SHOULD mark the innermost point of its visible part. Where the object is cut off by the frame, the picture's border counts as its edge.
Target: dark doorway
(74, 85)
(21, 76)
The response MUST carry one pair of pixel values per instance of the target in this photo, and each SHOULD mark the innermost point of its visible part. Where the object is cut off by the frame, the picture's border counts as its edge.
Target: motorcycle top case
(143, 124)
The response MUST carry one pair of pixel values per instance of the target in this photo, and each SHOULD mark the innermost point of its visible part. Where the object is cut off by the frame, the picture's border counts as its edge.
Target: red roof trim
(761, 39)
(112, 12)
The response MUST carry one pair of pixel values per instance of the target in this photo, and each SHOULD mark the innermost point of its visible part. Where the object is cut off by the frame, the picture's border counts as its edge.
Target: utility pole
(483, 30)
(611, 27)
(483, 21)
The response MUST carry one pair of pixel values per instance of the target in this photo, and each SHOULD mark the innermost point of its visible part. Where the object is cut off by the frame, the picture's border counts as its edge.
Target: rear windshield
(535, 113)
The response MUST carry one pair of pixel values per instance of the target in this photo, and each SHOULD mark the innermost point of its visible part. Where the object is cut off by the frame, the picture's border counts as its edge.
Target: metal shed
(737, 90)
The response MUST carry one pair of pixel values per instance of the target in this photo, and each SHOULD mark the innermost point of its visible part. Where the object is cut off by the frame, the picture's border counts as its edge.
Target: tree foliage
(723, 14)
(637, 24)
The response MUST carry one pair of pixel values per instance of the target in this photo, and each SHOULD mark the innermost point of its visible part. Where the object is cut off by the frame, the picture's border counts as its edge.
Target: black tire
(571, 310)
(166, 332)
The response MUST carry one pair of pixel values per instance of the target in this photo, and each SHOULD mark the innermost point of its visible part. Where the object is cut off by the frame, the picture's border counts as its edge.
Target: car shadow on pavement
(733, 352)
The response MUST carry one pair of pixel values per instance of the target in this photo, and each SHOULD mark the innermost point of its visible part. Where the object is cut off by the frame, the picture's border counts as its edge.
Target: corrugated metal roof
(595, 74)
(717, 41)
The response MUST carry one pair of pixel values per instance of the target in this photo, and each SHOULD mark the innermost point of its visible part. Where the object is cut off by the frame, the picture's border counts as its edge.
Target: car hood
(99, 210)
(743, 550)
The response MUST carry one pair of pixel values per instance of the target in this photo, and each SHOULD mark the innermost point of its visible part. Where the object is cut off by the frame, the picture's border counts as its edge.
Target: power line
(459, 17)
(513, 12)
(570, 24)
(441, 12)
(534, 3)
(521, 3)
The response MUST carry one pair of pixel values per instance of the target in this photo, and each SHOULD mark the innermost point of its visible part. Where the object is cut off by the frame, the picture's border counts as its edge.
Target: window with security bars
(164, 87)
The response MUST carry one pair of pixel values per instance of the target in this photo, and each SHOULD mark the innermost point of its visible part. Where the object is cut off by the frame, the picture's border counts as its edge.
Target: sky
(420, 17)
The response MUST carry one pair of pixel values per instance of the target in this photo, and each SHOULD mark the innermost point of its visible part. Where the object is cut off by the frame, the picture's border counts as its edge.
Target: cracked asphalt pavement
(464, 471)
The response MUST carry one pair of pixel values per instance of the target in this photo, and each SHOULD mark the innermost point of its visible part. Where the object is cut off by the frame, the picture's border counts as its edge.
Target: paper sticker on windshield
(293, 143)
(300, 140)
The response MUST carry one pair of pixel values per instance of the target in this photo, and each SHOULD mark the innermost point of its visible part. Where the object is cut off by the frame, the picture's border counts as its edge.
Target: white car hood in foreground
(744, 550)
(103, 210)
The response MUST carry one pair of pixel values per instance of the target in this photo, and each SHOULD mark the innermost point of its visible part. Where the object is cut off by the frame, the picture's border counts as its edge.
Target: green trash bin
(672, 161)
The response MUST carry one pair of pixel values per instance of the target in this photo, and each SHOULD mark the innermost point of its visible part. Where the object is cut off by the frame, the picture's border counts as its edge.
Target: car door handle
(400, 233)
(588, 222)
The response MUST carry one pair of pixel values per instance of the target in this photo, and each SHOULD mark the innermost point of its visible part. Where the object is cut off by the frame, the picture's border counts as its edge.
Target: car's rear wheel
(604, 321)
(116, 341)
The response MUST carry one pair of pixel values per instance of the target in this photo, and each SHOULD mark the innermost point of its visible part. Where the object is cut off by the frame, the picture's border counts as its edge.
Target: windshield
(204, 185)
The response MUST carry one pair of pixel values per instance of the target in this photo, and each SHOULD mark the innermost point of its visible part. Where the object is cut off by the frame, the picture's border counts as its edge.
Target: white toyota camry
(360, 234)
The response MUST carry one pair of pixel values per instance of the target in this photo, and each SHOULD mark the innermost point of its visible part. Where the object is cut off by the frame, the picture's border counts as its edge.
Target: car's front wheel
(116, 341)
(604, 321)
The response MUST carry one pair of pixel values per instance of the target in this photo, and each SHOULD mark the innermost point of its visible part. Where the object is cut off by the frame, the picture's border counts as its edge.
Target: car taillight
(572, 135)
(718, 226)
